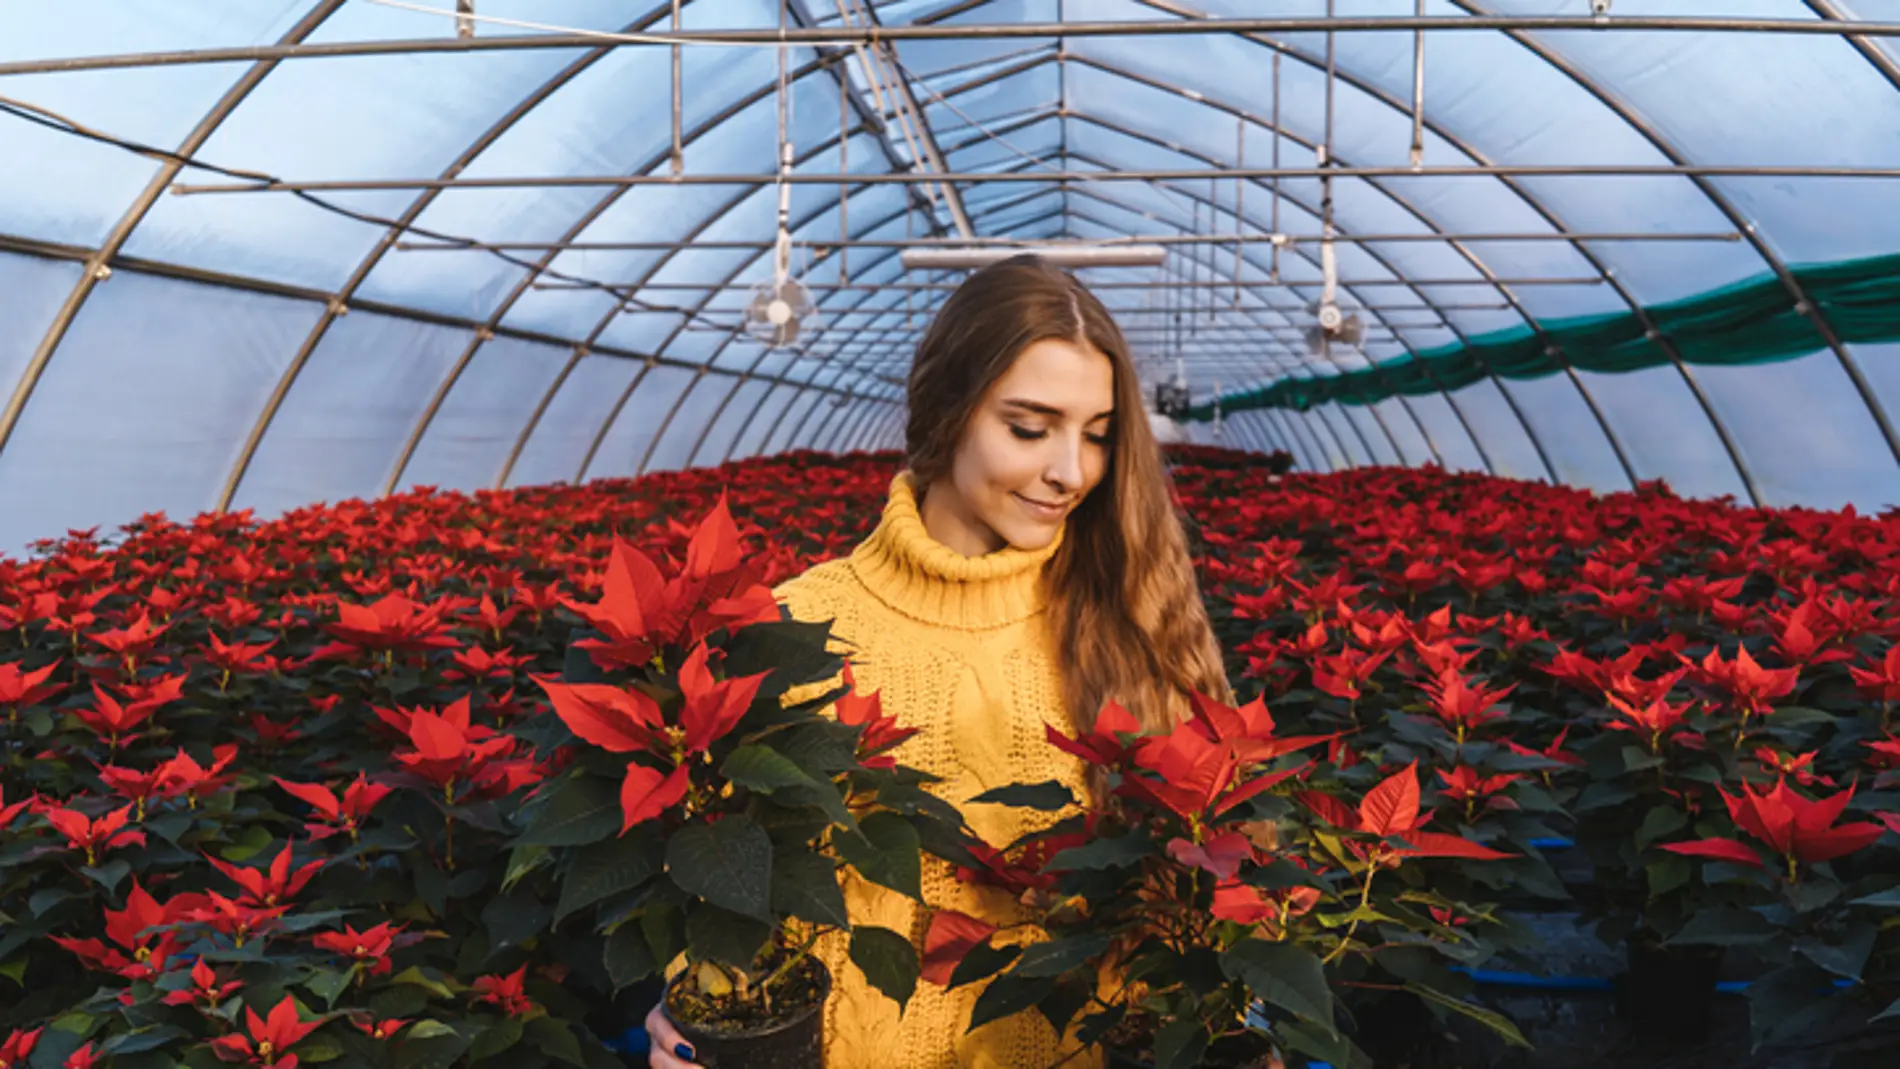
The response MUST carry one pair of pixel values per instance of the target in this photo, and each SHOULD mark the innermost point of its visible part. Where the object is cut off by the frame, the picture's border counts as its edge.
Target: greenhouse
(479, 562)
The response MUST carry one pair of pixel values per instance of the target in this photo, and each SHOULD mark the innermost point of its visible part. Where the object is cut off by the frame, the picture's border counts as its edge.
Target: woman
(1029, 566)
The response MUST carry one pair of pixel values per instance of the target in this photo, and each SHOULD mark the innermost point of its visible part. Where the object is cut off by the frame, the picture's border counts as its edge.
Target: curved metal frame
(852, 402)
(525, 284)
(1718, 200)
(744, 265)
(97, 266)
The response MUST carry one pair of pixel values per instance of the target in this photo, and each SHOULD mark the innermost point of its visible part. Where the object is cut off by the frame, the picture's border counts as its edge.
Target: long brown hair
(1125, 611)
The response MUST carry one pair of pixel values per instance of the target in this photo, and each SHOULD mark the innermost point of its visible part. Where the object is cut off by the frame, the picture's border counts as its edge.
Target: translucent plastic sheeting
(719, 434)
(1662, 427)
(560, 439)
(1803, 432)
(482, 415)
(758, 421)
(1377, 436)
(1406, 432)
(1571, 434)
(631, 434)
(146, 407)
(1503, 429)
(353, 405)
(31, 291)
(688, 419)
(77, 190)
(1456, 448)
(778, 437)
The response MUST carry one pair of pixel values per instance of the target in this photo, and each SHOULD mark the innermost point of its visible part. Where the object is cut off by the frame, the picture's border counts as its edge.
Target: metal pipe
(1067, 255)
(821, 245)
(844, 36)
(1166, 174)
(98, 262)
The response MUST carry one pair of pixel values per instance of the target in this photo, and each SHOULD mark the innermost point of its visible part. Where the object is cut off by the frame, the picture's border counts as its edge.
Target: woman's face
(1033, 449)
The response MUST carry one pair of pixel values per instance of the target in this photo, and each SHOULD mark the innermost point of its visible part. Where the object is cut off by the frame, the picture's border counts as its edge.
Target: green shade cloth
(1750, 322)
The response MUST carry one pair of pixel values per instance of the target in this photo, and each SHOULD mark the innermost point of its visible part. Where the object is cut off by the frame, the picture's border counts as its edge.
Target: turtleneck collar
(926, 580)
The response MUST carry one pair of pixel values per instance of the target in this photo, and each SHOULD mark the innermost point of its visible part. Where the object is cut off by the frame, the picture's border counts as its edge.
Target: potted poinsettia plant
(1203, 911)
(710, 804)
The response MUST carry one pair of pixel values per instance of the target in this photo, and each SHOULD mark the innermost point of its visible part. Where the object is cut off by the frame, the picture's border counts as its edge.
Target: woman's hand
(665, 1048)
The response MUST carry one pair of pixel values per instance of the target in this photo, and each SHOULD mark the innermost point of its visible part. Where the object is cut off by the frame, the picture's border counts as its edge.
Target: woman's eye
(1098, 439)
(1025, 433)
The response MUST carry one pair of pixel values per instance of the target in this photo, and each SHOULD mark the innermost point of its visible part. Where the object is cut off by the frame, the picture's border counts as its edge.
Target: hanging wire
(52, 120)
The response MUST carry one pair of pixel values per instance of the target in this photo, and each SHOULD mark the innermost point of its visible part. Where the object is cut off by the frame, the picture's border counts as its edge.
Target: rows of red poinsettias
(268, 792)
(298, 790)
(1700, 697)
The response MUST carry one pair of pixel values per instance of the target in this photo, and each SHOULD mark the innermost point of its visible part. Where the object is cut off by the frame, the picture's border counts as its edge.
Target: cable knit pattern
(957, 647)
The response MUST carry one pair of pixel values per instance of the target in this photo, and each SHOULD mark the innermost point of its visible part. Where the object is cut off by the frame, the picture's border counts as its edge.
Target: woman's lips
(1041, 510)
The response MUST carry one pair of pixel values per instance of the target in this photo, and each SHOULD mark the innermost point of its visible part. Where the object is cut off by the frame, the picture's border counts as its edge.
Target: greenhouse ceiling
(260, 254)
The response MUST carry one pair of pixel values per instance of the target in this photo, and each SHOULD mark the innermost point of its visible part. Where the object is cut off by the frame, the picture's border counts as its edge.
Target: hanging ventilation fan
(1332, 324)
(778, 308)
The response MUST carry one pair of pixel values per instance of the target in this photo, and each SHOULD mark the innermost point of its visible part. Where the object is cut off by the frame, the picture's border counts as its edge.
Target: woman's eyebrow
(1047, 410)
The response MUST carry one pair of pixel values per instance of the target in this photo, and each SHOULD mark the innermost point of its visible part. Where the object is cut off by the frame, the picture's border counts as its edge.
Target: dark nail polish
(684, 1050)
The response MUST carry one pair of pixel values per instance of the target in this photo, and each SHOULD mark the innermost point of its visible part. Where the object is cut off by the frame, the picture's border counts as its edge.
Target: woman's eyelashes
(1030, 434)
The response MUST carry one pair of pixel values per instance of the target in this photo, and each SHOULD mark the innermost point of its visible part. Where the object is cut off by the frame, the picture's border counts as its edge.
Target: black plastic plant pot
(792, 1042)
(1668, 993)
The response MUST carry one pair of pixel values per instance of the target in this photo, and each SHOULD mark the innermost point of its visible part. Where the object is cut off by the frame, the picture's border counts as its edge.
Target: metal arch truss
(864, 427)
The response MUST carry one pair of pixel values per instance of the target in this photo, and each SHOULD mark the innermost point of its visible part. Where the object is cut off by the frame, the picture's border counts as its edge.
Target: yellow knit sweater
(957, 648)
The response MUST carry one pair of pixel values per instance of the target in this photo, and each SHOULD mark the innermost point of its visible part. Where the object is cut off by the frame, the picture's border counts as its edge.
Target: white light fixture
(952, 259)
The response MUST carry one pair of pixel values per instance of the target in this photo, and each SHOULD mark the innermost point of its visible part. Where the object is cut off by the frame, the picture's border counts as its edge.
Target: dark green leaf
(982, 962)
(1096, 1025)
(627, 956)
(885, 850)
(793, 652)
(514, 919)
(141, 1039)
(1892, 1010)
(437, 1052)
(825, 747)
(109, 874)
(1890, 897)
(760, 768)
(46, 898)
(1845, 958)
(327, 984)
(728, 863)
(1047, 796)
(610, 867)
(1334, 1049)
(805, 886)
(1279, 874)
(1103, 854)
(714, 934)
(764, 770)
(1660, 821)
(1008, 995)
(1180, 1044)
(1724, 926)
(1668, 873)
(496, 1038)
(579, 810)
(1066, 1001)
(1057, 956)
(1798, 716)
(556, 1037)
(1797, 1001)
(1491, 1019)
(1637, 759)
(1283, 975)
(888, 961)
